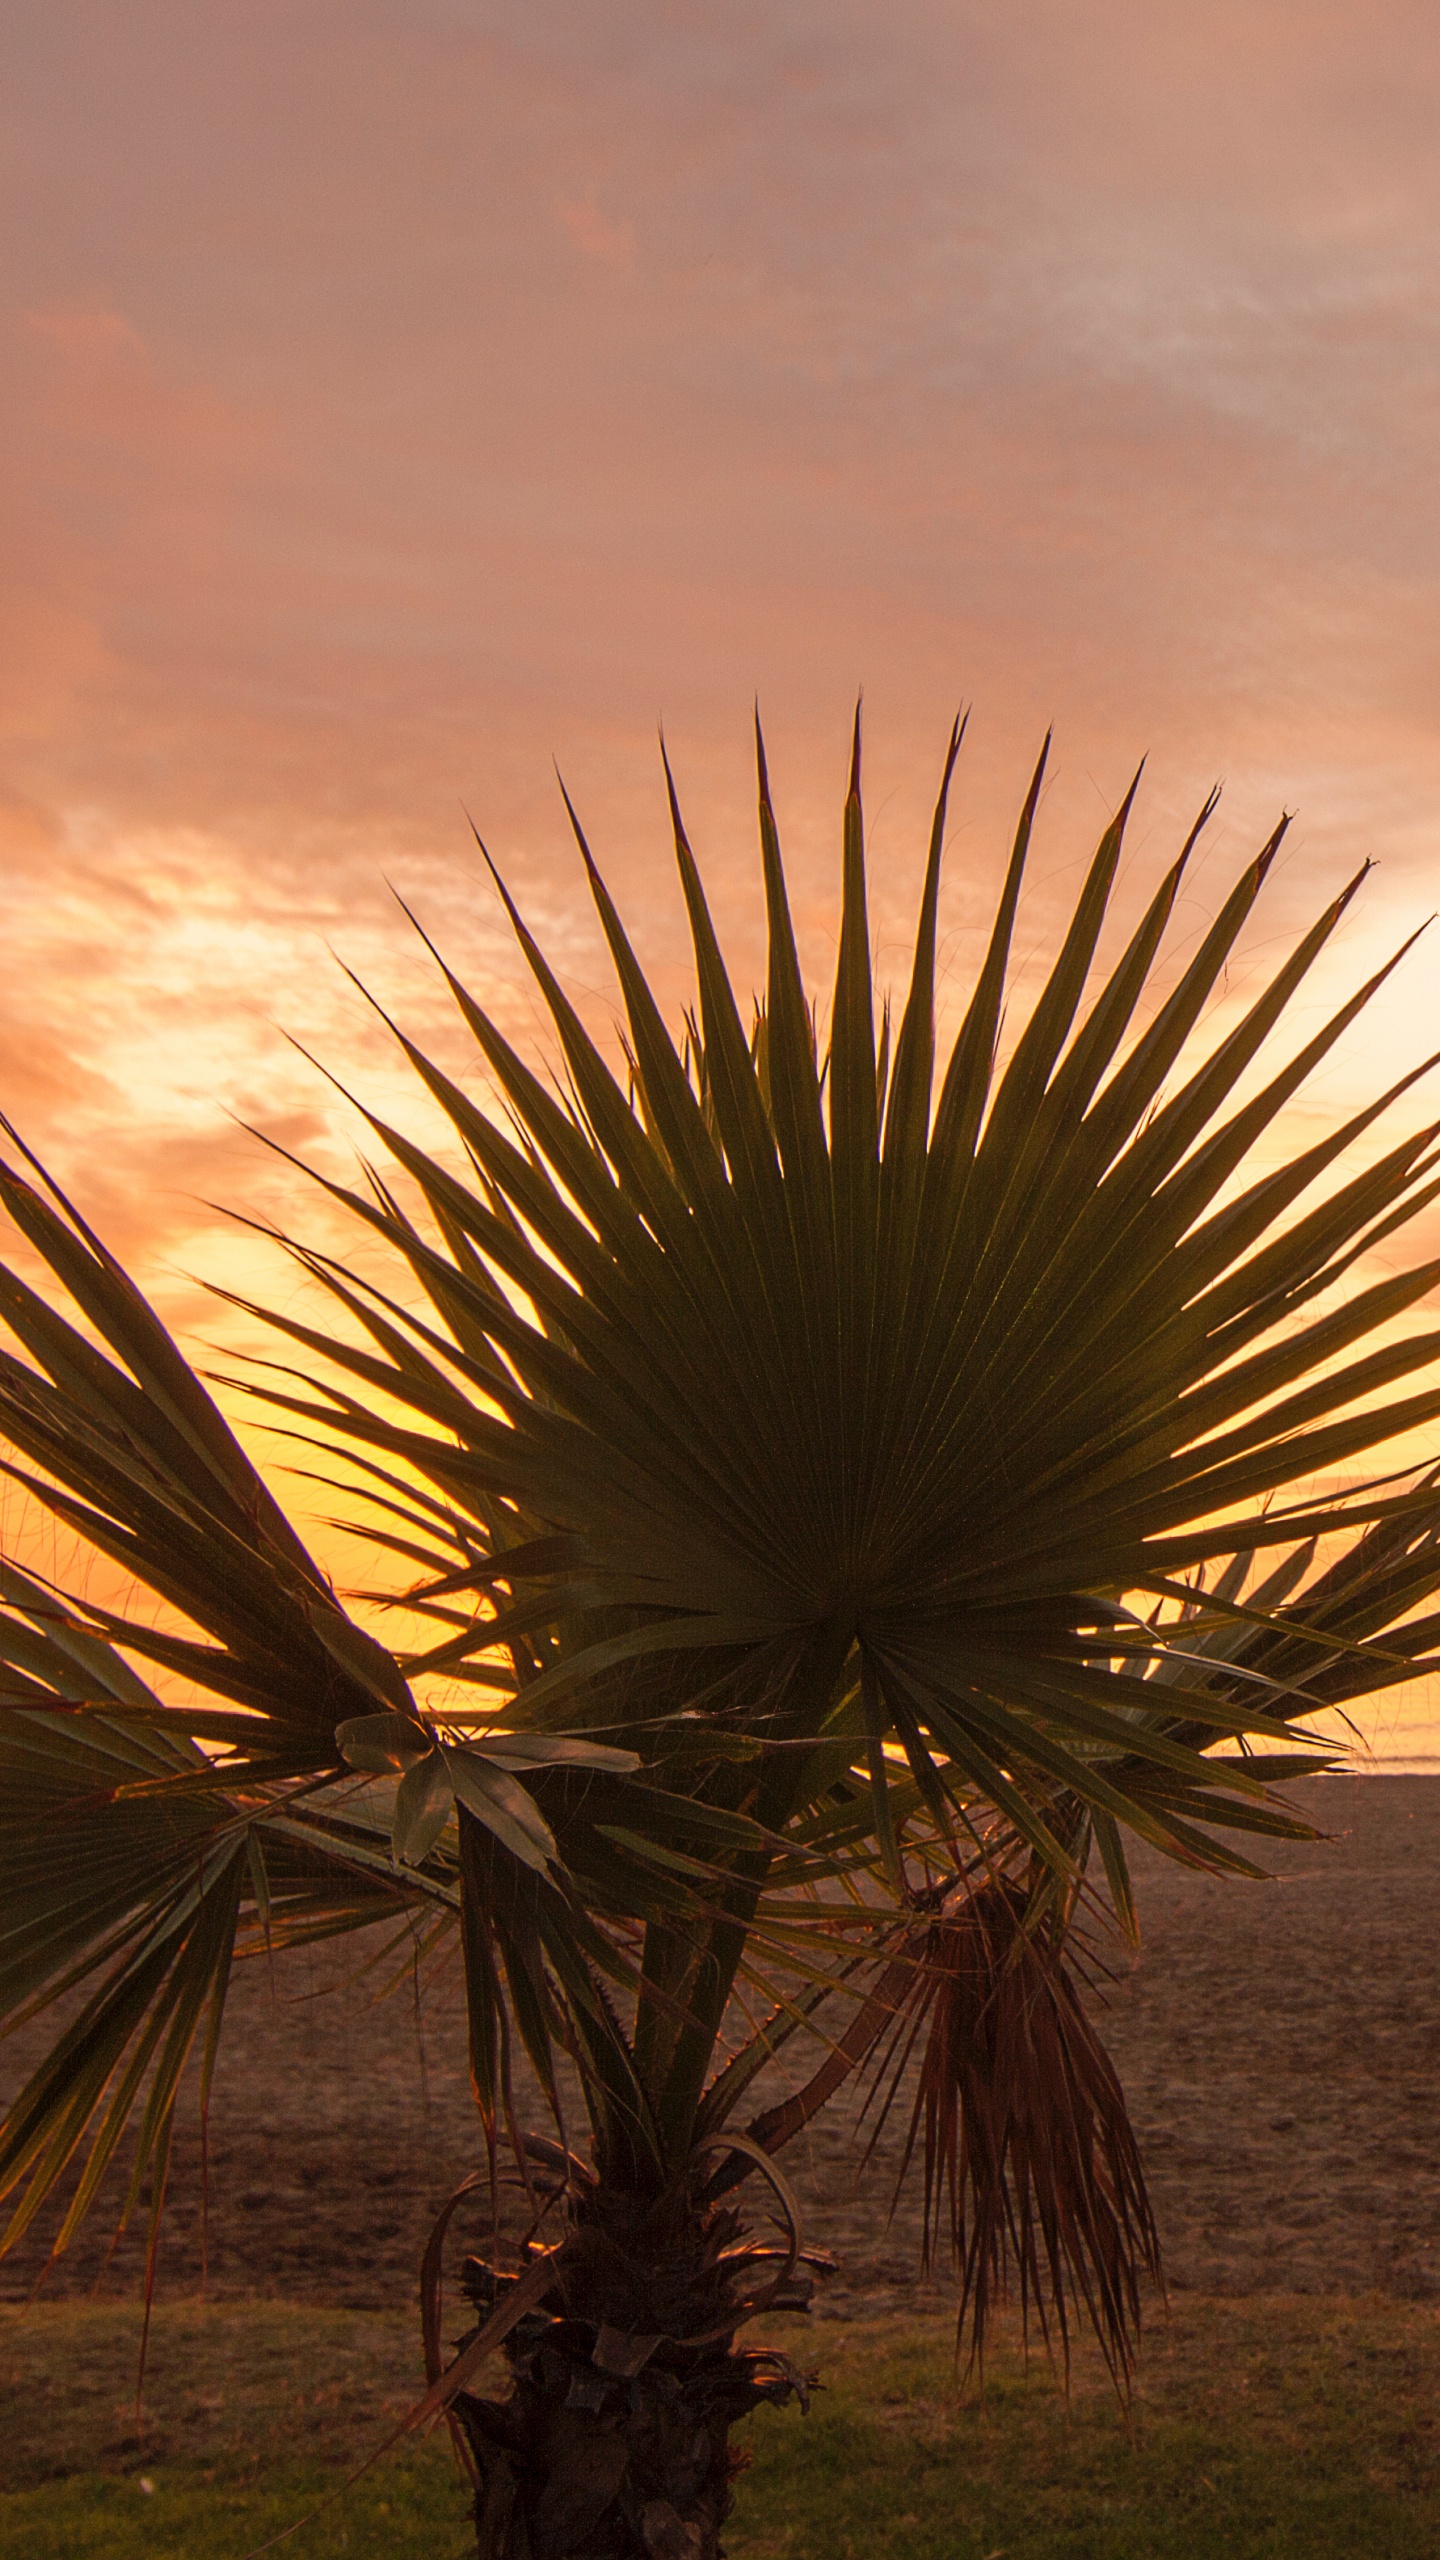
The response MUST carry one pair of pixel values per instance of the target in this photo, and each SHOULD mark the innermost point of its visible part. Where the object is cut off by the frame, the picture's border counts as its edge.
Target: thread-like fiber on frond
(1029, 2153)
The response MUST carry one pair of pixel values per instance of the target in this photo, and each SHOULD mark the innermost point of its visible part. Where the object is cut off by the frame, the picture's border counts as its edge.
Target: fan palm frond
(842, 1491)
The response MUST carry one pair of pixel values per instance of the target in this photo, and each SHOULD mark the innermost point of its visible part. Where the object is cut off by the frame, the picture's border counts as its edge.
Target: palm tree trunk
(614, 2441)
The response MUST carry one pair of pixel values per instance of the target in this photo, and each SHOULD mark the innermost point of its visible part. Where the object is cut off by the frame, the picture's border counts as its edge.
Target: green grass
(1302, 2429)
(254, 2415)
(89, 2518)
(1292, 2430)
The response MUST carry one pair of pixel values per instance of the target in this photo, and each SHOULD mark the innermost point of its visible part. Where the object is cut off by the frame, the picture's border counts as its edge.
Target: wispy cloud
(401, 395)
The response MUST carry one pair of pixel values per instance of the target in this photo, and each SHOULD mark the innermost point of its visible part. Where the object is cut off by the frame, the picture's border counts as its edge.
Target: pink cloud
(1073, 361)
(594, 234)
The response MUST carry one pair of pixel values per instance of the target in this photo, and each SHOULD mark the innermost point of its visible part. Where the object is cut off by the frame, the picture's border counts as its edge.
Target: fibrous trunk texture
(613, 2443)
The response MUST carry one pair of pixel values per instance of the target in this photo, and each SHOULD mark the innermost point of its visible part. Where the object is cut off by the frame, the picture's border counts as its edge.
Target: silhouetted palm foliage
(836, 1513)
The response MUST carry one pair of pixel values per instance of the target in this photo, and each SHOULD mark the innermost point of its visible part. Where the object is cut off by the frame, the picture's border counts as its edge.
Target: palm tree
(834, 1518)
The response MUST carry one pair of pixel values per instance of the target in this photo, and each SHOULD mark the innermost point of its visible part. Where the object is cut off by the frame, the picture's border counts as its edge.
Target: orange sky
(400, 395)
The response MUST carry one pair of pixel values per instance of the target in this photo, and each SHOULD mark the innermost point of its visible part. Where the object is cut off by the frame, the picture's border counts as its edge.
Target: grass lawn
(1295, 2429)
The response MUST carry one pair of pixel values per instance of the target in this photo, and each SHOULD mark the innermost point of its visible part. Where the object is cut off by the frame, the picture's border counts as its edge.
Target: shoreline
(1277, 2042)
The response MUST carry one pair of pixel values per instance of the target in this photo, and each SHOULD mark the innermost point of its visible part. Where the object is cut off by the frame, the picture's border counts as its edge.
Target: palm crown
(834, 1511)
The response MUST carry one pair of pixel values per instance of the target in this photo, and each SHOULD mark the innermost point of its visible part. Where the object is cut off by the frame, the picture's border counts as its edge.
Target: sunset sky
(402, 397)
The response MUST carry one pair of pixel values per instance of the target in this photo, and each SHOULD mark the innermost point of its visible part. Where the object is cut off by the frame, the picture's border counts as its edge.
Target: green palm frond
(144, 1836)
(808, 1370)
(911, 1419)
(814, 1480)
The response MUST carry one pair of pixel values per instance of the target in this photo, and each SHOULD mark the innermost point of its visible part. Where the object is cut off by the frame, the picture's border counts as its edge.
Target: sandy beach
(1279, 2042)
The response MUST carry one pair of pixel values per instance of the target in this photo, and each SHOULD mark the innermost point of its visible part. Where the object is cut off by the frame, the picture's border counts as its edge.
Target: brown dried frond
(1028, 2147)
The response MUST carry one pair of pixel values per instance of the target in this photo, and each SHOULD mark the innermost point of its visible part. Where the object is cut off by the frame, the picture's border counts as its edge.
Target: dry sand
(1280, 2044)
